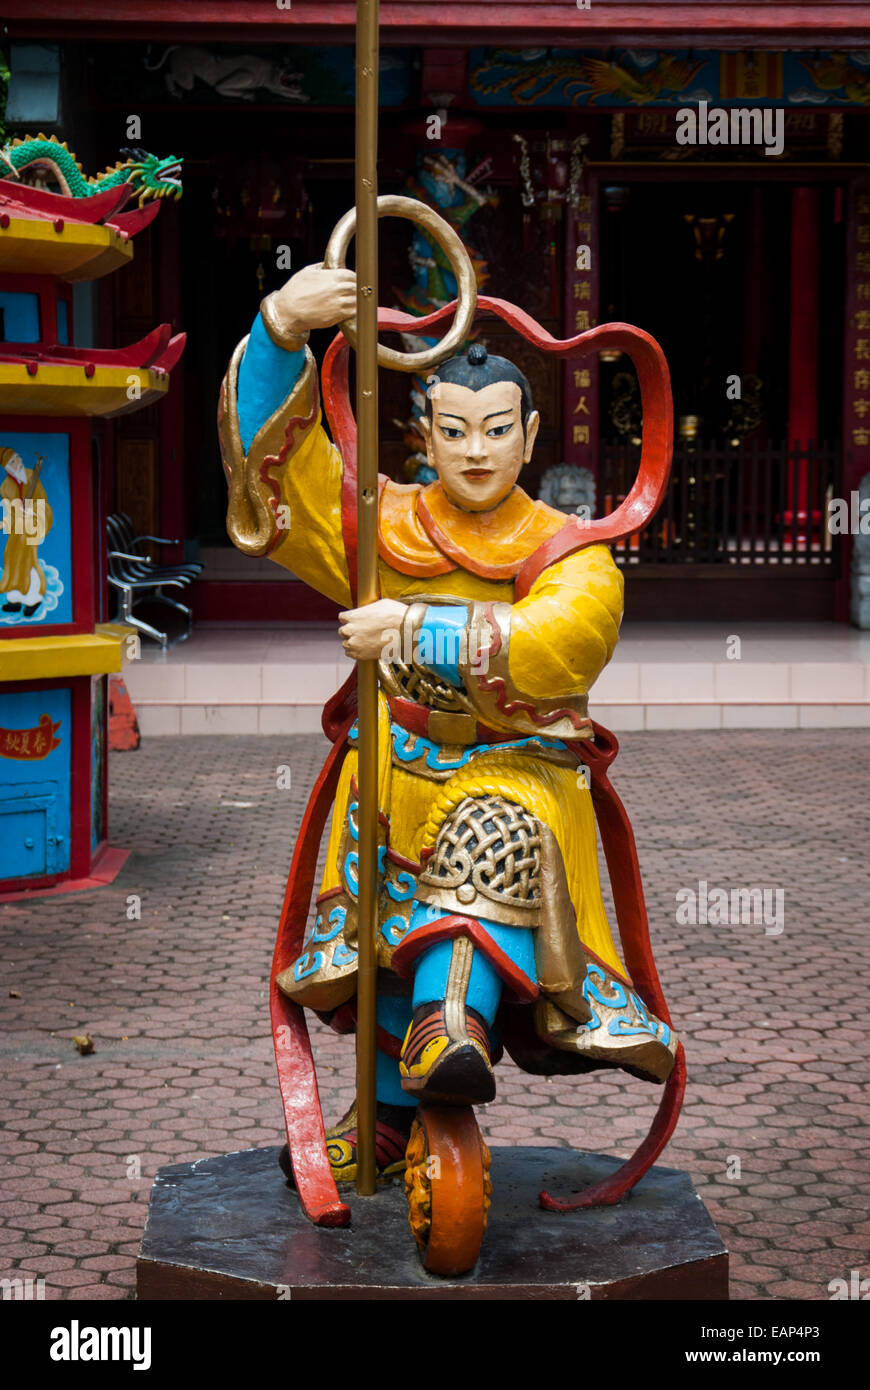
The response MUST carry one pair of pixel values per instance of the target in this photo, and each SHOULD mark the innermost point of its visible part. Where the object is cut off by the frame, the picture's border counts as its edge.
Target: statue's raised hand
(314, 298)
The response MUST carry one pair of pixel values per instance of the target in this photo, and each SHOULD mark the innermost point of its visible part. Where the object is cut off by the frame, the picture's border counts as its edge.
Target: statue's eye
(452, 432)
(498, 430)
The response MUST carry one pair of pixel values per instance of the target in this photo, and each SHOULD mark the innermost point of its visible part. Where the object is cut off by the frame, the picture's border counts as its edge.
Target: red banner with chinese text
(580, 396)
(30, 743)
(856, 373)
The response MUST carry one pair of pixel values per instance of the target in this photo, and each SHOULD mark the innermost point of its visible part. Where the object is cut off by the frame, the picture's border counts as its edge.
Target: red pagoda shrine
(56, 647)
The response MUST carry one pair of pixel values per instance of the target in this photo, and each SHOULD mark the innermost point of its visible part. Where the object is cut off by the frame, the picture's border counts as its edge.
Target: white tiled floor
(663, 676)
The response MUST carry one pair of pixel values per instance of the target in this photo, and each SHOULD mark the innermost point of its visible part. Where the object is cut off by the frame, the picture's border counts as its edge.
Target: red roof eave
(520, 23)
(157, 351)
(20, 200)
(38, 205)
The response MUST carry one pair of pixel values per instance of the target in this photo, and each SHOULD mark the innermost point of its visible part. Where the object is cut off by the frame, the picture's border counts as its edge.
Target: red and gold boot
(445, 1057)
(391, 1139)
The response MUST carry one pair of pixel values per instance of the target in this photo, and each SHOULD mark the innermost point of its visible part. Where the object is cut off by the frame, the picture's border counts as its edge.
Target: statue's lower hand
(365, 632)
(315, 298)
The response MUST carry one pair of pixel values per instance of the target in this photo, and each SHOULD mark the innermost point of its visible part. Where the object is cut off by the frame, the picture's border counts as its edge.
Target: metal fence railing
(760, 504)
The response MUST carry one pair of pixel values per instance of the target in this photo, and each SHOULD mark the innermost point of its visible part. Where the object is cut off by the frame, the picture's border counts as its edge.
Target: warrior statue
(489, 635)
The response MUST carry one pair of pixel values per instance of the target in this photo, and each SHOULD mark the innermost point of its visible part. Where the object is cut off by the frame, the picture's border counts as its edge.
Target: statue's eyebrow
(450, 416)
(493, 413)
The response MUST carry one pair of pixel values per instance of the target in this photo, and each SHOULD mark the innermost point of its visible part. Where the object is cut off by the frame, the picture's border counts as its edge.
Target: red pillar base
(104, 870)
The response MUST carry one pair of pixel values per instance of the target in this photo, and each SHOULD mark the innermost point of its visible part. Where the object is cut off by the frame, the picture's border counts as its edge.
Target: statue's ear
(426, 430)
(533, 422)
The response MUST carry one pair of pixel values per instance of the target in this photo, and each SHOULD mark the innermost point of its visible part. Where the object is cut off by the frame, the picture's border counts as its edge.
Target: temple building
(636, 163)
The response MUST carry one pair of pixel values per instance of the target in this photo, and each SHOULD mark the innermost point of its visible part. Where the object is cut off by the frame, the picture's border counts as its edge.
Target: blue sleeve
(440, 641)
(267, 375)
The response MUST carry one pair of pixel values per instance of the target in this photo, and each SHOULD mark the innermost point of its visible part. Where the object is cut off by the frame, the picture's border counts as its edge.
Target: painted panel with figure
(35, 530)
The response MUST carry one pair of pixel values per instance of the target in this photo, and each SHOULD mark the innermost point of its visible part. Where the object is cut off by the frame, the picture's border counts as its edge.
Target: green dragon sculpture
(151, 177)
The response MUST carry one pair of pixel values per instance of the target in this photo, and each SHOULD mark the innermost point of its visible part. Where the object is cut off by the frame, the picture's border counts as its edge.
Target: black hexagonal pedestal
(229, 1228)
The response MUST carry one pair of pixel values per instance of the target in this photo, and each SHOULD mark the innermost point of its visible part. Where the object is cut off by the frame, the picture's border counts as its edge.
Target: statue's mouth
(477, 474)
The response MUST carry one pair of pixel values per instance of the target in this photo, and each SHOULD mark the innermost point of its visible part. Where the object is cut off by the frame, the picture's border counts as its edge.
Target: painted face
(15, 468)
(476, 442)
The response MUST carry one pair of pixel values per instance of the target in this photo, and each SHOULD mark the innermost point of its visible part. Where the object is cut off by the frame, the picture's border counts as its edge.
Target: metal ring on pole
(394, 205)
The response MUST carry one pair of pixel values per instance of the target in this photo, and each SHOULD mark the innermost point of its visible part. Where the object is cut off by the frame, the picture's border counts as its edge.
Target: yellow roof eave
(65, 390)
(78, 251)
(49, 657)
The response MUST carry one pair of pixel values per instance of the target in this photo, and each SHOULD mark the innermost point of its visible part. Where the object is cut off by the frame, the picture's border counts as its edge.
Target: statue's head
(480, 427)
(12, 464)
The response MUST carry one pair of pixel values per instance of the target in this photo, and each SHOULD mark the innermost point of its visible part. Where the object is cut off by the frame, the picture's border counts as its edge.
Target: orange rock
(123, 725)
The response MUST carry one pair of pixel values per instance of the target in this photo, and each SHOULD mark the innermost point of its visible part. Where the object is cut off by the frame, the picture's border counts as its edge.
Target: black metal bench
(135, 577)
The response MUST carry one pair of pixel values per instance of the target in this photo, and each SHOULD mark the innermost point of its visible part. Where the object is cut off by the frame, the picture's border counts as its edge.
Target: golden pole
(367, 576)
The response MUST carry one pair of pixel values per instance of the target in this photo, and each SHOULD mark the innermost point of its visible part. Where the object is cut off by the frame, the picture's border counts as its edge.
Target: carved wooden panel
(134, 289)
(137, 452)
(523, 250)
(137, 483)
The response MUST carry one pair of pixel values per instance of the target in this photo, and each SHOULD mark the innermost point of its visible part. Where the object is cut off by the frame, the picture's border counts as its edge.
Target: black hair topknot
(477, 370)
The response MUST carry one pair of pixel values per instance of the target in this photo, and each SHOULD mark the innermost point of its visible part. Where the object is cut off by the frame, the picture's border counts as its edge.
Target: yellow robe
(20, 556)
(285, 501)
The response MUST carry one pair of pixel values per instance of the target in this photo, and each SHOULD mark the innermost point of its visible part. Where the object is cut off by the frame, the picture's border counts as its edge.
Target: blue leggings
(430, 985)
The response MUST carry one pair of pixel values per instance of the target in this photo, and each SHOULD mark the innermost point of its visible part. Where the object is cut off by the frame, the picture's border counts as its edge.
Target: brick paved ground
(775, 1026)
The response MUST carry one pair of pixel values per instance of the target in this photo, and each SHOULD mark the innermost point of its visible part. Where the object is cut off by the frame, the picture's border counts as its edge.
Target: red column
(803, 347)
(580, 424)
(856, 366)
(175, 479)
(756, 308)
